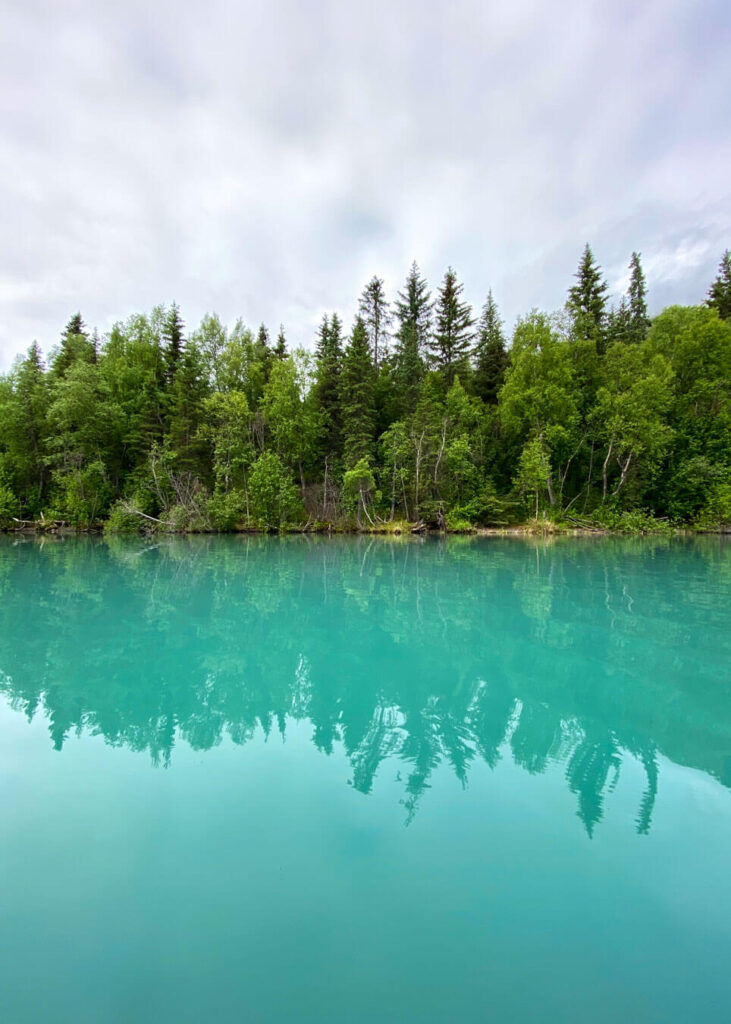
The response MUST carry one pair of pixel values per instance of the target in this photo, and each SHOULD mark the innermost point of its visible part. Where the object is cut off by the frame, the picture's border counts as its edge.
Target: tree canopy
(414, 412)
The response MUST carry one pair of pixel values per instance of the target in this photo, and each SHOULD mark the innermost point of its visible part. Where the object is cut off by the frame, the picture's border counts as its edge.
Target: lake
(365, 780)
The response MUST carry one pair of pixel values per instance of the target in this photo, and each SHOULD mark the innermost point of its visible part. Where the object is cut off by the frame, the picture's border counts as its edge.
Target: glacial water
(365, 780)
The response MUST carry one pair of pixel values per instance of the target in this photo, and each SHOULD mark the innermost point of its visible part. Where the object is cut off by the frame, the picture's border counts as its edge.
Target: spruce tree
(639, 321)
(450, 344)
(376, 315)
(414, 314)
(491, 356)
(75, 345)
(189, 390)
(329, 365)
(357, 397)
(719, 294)
(587, 301)
(618, 325)
(280, 349)
(172, 332)
(414, 307)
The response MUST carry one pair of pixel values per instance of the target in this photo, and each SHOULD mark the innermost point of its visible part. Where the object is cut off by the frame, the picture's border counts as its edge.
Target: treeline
(422, 412)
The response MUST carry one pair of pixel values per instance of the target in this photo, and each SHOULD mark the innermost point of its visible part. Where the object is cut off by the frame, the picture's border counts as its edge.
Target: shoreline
(389, 530)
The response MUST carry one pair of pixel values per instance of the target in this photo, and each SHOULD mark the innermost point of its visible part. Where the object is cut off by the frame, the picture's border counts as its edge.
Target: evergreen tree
(172, 332)
(414, 308)
(491, 356)
(357, 397)
(75, 345)
(190, 389)
(414, 313)
(587, 301)
(639, 320)
(449, 347)
(263, 353)
(328, 368)
(24, 431)
(618, 326)
(280, 349)
(408, 370)
(376, 315)
(719, 294)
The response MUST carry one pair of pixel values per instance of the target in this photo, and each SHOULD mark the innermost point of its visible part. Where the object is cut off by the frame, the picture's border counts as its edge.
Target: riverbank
(645, 527)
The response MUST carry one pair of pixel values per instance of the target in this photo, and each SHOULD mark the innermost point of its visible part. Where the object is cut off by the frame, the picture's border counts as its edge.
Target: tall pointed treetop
(376, 315)
(588, 299)
(450, 345)
(719, 294)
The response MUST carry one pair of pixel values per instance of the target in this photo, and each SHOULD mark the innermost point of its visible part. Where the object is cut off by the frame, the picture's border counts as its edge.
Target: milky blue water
(355, 779)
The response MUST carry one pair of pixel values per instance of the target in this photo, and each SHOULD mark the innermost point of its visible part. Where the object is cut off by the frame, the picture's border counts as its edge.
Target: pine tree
(414, 314)
(414, 308)
(280, 349)
(587, 301)
(639, 322)
(75, 345)
(491, 356)
(357, 397)
(172, 332)
(26, 430)
(376, 315)
(408, 371)
(189, 390)
(450, 344)
(719, 294)
(329, 365)
(618, 326)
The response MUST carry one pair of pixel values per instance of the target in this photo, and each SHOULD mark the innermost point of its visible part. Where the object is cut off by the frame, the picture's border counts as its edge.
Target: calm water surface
(361, 780)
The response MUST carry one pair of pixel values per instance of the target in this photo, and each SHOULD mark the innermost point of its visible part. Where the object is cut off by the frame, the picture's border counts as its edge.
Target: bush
(457, 523)
(121, 520)
(717, 513)
(9, 506)
(227, 511)
(631, 521)
(275, 500)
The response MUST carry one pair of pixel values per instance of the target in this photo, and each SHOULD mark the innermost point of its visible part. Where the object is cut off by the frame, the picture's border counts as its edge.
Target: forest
(423, 415)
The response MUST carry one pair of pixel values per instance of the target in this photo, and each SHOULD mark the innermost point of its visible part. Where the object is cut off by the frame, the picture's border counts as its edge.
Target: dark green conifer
(587, 301)
(172, 332)
(75, 345)
(450, 344)
(280, 349)
(639, 321)
(376, 315)
(719, 294)
(357, 397)
(329, 365)
(414, 308)
(491, 356)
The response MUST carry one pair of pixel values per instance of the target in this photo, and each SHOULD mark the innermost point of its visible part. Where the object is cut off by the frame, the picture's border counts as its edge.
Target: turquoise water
(312, 780)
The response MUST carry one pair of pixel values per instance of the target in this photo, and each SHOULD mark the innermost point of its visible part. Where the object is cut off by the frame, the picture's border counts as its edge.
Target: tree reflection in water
(574, 652)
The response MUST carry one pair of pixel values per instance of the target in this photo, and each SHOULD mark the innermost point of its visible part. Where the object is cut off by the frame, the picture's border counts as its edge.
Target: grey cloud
(265, 160)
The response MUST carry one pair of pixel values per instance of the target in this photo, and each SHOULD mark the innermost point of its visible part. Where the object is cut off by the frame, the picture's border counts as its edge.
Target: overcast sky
(265, 159)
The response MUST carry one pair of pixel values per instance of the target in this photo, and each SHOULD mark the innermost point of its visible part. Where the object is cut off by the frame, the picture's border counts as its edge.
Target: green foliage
(586, 415)
(274, 500)
(491, 356)
(359, 490)
(629, 521)
(357, 397)
(376, 315)
(587, 301)
(449, 347)
(719, 294)
(534, 468)
(9, 504)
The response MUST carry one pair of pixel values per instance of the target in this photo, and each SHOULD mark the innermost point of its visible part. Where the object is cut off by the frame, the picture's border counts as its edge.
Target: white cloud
(265, 160)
